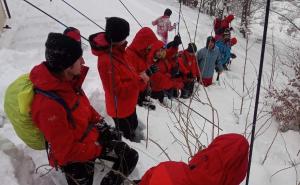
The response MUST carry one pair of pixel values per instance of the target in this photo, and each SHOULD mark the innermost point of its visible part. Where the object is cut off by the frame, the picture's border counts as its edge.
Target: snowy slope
(22, 47)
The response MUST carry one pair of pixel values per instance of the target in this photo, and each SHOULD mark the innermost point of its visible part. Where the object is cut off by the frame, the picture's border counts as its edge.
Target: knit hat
(192, 48)
(210, 38)
(168, 12)
(61, 52)
(116, 29)
(73, 33)
(233, 41)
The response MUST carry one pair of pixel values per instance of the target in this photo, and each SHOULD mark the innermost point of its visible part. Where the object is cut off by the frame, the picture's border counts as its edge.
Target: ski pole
(258, 87)
(51, 17)
(82, 14)
(130, 13)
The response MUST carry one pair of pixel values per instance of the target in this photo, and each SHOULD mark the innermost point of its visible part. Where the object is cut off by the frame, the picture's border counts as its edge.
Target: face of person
(74, 70)
(211, 44)
(161, 53)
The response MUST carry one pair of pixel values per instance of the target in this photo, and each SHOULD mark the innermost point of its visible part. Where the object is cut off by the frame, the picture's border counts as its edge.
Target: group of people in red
(77, 135)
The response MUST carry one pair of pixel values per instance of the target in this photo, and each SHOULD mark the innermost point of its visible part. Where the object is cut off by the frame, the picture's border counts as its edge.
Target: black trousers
(158, 95)
(125, 160)
(79, 173)
(127, 125)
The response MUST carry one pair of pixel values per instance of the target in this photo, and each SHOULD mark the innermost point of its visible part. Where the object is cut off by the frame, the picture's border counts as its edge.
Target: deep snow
(22, 47)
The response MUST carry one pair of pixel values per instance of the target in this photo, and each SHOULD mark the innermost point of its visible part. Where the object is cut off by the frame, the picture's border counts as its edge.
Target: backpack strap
(59, 100)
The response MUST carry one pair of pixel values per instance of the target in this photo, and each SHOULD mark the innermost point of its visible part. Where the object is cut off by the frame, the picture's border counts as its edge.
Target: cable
(130, 13)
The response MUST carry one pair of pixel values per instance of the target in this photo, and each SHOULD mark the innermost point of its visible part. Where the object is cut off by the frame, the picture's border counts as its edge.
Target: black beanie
(192, 48)
(168, 12)
(116, 29)
(61, 52)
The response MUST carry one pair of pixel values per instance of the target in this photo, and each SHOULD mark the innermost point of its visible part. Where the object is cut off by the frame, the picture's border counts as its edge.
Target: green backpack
(17, 104)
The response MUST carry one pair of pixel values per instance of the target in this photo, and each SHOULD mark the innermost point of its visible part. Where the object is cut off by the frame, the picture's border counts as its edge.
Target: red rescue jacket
(223, 162)
(120, 81)
(51, 118)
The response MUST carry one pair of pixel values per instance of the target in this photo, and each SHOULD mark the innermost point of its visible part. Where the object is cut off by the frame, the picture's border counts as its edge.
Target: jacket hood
(144, 38)
(100, 45)
(155, 47)
(43, 79)
(224, 161)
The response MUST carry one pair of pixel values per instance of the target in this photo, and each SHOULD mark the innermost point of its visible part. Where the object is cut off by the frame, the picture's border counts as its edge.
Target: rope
(180, 2)
(258, 87)
(82, 14)
(51, 17)
(130, 13)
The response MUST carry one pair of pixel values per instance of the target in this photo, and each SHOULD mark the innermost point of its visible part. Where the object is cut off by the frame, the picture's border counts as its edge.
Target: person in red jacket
(121, 83)
(220, 25)
(189, 68)
(223, 162)
(70, 123)
(136, 54)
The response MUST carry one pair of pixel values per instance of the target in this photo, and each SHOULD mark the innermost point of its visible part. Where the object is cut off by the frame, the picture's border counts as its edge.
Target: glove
(189, 75)
(107, 135)
(152, 69)
(177, 41)
(232, 55)
(231, 28)
(198, 78)
(174, 25)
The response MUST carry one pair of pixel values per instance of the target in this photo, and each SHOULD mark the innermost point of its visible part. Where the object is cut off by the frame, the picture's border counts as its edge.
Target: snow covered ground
(22, 47)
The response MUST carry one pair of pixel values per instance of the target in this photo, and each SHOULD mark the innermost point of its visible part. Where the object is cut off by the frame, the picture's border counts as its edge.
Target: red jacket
(51, 118)
(161, 80)
(120, 81)
(188, 64)
(136, 53)
(221, 25)
(224, 162)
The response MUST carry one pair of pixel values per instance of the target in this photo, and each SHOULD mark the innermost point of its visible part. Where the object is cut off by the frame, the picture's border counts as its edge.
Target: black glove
(232, 55)
(189, 75)
(152, 69)
(177, 41)
(231, 28)
(107, 135)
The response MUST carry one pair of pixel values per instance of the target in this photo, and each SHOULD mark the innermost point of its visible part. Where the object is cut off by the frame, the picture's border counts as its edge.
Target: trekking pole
(83, 14)
(7, 10)
(197, 24)
(258, 86)
(51, 17)
(198, 114)
(130, 13)
(180, 1)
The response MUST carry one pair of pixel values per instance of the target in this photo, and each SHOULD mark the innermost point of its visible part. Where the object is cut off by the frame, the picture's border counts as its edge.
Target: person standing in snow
(224, 47)
(136, 54)
(220, 25)
(209, 59)
(189, 68)
(121, 83)
(70, 125)
(164, 25)
(223, 162)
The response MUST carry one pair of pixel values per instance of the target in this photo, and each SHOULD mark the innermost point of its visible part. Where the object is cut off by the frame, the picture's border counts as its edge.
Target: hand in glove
(232, 55)
(152, 69)
(189, 75)
(174, 25)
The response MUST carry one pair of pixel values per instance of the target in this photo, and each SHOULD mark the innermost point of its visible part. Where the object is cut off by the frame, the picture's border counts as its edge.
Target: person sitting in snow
(121, 83)
(189, 68)
(136, 54)
(74, 137)
(223, 162)
(209, 59)
(163, 24)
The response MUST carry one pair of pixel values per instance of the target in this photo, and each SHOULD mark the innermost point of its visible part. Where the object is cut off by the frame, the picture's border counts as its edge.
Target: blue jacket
(208, 60)
(224, 50)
